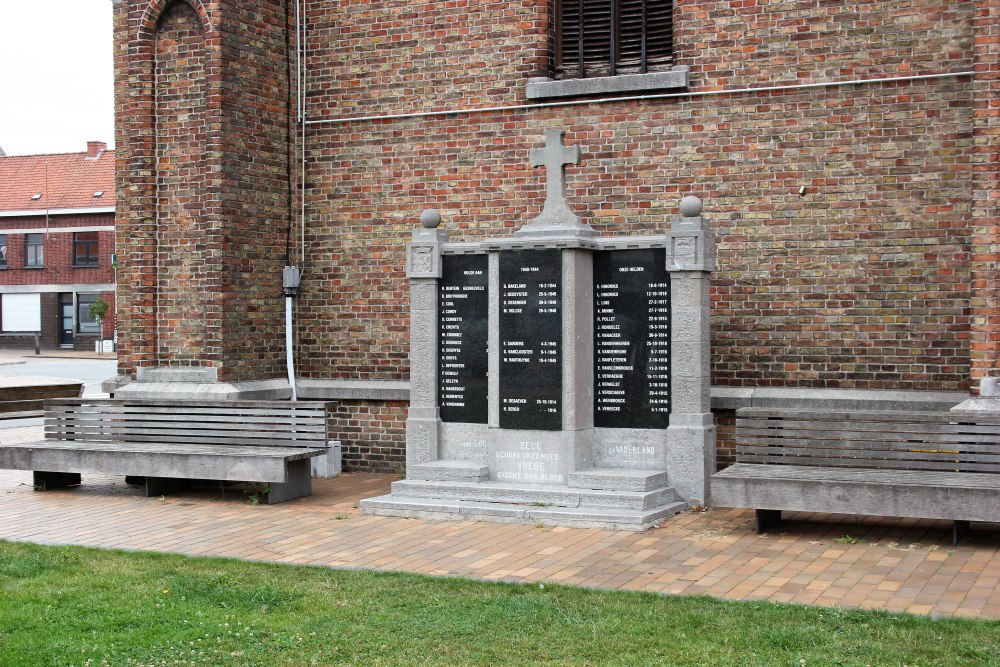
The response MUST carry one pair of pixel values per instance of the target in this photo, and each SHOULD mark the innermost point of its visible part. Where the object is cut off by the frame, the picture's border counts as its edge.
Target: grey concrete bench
(925, 465)
(163, 444)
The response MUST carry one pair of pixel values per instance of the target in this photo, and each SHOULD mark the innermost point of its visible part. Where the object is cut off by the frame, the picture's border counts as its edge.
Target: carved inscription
(463, 307)
(531, 339)
(528, 462)
(631, 339)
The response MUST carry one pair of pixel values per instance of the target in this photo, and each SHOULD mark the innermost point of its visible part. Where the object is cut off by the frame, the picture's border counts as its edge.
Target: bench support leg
(299, 483)
(959, 529)
(133, 480)
(767, 518)
(160, 486)
(44, 481)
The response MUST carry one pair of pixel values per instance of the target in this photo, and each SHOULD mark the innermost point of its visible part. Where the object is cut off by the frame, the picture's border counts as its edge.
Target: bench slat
(980, 418)
(954, 459)
(164, 438)
(179, 447)
(897, 430)
(765, 472)
(168, 418)
(169, 412)
(222, 407)
(820, 462)
(887, 445)
(85, 426)
(866, 452)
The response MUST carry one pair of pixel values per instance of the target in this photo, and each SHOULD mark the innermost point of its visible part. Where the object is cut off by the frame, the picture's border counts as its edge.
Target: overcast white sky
(56, 75)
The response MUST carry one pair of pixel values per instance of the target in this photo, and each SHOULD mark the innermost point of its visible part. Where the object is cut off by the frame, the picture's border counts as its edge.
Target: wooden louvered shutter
(607, 37)
(646, 35)
(584, 38)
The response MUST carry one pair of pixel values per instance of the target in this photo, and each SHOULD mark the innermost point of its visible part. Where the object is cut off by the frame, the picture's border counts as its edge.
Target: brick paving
(895, 564)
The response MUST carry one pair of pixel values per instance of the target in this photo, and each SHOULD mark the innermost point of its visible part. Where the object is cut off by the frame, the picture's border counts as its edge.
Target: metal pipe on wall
(292, 275)
(638, 98)
(289, 350)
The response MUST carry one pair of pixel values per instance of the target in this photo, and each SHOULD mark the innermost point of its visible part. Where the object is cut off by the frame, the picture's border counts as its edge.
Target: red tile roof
(73, 178)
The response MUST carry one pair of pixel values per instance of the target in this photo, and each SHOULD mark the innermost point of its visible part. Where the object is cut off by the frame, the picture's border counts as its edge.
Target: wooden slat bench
(168, 442)
(927, 465)
(24, 397)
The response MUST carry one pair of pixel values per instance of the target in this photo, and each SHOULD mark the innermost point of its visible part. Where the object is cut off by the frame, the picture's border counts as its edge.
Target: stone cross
(556, 213)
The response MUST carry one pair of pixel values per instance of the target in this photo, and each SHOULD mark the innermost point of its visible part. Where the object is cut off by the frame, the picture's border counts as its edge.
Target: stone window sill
(545, 88)
(33, 268)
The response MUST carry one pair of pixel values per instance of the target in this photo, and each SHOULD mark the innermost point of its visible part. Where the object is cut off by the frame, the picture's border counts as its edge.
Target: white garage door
(21, 312)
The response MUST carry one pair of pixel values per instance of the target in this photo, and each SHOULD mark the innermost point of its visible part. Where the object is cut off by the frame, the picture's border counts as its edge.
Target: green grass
(74, 606)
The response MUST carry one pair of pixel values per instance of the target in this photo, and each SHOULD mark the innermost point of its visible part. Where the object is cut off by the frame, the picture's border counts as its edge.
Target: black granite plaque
(531, 339)
(463, 309)
(631, 339)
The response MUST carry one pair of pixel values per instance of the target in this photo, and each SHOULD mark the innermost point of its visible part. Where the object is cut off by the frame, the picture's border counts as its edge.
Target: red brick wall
(985, 340)
(372, 434)
(203, 159)
(255, 200)
(877, 276)
(725, 434)
(863, 282)
(184, 277)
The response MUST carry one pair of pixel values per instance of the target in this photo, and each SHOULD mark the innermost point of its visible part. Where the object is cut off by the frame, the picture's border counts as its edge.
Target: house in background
(57, 238)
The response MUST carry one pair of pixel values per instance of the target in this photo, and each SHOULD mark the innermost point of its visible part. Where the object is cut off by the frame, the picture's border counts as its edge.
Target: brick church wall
(254, 199)
(183, 299)
(203, 162)
(864, 280)
(985, 339)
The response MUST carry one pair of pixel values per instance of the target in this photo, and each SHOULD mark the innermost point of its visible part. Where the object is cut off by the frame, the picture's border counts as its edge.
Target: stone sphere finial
(430, 218)
(691, 207)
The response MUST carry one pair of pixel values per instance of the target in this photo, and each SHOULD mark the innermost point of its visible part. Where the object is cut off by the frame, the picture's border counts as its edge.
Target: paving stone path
(900, 565)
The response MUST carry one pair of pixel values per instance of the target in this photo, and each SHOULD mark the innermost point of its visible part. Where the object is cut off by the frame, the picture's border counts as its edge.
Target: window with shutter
(611, 37)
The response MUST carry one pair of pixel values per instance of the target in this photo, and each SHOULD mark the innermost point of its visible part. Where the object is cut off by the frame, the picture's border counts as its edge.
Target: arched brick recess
(157, 8)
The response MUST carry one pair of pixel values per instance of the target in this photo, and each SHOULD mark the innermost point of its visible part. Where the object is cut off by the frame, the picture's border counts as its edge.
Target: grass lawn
(74, 606)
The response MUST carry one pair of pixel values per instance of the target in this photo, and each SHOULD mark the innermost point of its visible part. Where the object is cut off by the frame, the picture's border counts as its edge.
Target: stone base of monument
(988, 399)
(610, 498)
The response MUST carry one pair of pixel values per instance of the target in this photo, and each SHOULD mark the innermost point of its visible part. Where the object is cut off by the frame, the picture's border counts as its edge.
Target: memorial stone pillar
(691, 434)
(423, 268)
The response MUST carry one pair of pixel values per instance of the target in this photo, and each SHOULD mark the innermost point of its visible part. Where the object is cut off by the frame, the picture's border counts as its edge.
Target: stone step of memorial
(535, 495)
(449, 471)
(618, 479)
(607, 518)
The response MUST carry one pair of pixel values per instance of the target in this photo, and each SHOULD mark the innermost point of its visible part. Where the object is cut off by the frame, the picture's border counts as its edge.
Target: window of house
(21, 313)
(34, 250)
(85, 249)
(84, 322)
(3, 251)
(612, 37)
